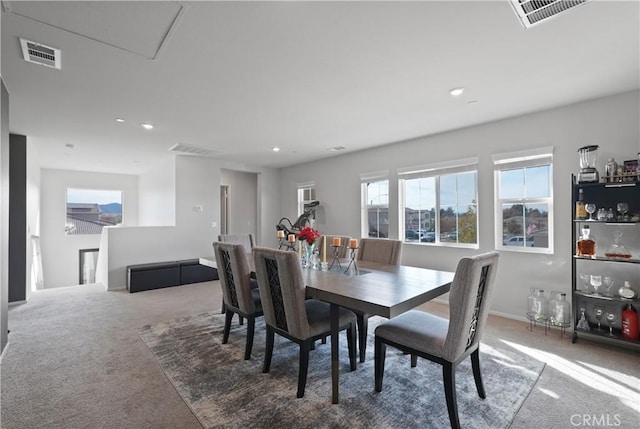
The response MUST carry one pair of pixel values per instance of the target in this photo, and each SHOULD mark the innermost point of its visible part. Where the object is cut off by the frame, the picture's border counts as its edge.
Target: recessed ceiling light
(337, 148)
(456, 91)
(472, 102)
(119, 120)
(276, 149)
(69, 146)
(147, 126)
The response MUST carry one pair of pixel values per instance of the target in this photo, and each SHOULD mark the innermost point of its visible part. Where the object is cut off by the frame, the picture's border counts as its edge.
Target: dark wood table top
(380, 289)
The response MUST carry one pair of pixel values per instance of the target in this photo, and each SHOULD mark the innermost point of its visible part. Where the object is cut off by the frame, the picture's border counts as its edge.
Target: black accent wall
(17, 218)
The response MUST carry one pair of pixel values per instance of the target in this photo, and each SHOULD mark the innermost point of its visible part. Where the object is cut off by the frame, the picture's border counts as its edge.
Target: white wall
(60, 251)
(610, 122)
(157, 194)
(197, 185)
(242, 200)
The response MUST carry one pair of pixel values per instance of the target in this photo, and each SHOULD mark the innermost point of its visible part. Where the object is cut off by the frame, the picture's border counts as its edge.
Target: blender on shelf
(588, 158)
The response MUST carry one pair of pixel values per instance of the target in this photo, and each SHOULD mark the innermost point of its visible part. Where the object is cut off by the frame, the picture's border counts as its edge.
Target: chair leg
(251, 325)
(380, 350)
(475, 365)
(363, 322)
(268, 349)
(414, 360)
(351, 343)
(241, 319)
(304, 367)
(227, 326)
(324, 340)
(449, 377)
(224, 308)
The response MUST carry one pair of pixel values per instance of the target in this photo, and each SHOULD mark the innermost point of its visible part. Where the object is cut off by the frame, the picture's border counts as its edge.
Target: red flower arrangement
(309, 234)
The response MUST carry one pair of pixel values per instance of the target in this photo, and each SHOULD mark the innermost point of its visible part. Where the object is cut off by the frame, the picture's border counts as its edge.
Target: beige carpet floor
(75, 360)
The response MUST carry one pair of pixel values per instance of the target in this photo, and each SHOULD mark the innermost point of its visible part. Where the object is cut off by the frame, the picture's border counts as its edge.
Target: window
(375, 204)
(524, 201)
(89, 210)
(438, 203)
(306, 194)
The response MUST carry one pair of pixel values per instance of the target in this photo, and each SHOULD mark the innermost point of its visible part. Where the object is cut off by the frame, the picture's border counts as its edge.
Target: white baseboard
(11, 304)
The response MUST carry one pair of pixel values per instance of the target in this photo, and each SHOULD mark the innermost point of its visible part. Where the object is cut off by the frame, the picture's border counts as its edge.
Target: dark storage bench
(157, 275)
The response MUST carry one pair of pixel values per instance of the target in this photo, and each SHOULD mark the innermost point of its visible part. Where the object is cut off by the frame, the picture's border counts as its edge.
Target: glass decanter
(586, 245)
(583, 325)
(617, 249)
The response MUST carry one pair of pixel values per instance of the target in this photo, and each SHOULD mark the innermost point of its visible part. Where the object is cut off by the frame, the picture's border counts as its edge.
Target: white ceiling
(242, 77)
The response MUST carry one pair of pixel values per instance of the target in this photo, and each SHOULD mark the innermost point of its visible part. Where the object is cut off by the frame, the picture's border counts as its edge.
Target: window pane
(378, 209)
(420, 198)
(89, 210)
(458, 218)
(512, 183)
(512, 221)
(536, 218)
(537, 181)
(468, 224)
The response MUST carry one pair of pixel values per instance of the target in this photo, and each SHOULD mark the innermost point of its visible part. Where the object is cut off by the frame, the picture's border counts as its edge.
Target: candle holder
(336, 250)
(288, 245)
(353, 260)
(324, 266)
(282, 243)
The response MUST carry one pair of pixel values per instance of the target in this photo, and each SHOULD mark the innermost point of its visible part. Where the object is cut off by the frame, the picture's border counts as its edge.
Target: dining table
(372, 288)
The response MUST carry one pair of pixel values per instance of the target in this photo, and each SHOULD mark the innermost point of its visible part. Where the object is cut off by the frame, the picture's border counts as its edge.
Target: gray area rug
(225, 391)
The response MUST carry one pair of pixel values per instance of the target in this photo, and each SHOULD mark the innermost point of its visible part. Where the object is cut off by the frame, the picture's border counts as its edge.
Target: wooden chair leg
(251, 325)
(224, 308)
(414, 360)
(449, 377)
(268, 349)
(324, 340)
(379, 356)
(227, 326)
(363, 322)
(241, 319)
(304, 367)
(351, 343)
(475, 365)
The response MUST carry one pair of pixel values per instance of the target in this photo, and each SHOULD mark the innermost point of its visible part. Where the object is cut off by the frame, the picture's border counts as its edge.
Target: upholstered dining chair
(289, 314)
(237, 294)
(384, 251)
(446, 342)
(247, 240)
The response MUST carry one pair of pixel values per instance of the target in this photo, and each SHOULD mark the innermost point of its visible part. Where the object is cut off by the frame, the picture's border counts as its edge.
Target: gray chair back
(342, 250)
(247, 240)
(282, 290)
(469, 299)
(235, 276)
(382, 250)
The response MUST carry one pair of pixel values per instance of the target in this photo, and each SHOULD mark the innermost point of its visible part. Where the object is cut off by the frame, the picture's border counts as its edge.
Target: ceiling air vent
(186, 149)
(40, 54)
(532, 12)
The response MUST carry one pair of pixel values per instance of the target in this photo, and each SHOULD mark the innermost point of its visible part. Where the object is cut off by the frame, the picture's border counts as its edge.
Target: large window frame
(533, 238)
(433, 176)
(306, 194)
(374, 205)
(89, 210)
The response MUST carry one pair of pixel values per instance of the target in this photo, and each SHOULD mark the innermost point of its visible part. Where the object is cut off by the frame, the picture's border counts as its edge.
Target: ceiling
(240, 78)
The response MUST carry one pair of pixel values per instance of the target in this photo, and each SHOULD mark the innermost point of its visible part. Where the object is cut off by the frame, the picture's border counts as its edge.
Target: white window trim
(436, 170)
(301, 186)
(516, 160)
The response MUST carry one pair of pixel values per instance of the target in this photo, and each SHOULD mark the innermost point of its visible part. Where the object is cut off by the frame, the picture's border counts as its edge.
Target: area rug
(225, 391)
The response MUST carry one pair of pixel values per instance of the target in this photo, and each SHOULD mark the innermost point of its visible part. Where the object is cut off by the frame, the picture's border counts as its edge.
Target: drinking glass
(598, 312)
(608, 284)
(590, 208)
(611, 317)
(622, 209)
(586, 279)
(596, 282)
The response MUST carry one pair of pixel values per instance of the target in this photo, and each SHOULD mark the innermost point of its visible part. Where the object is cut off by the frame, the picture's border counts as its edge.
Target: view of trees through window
(457, 220)
(88, 210)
